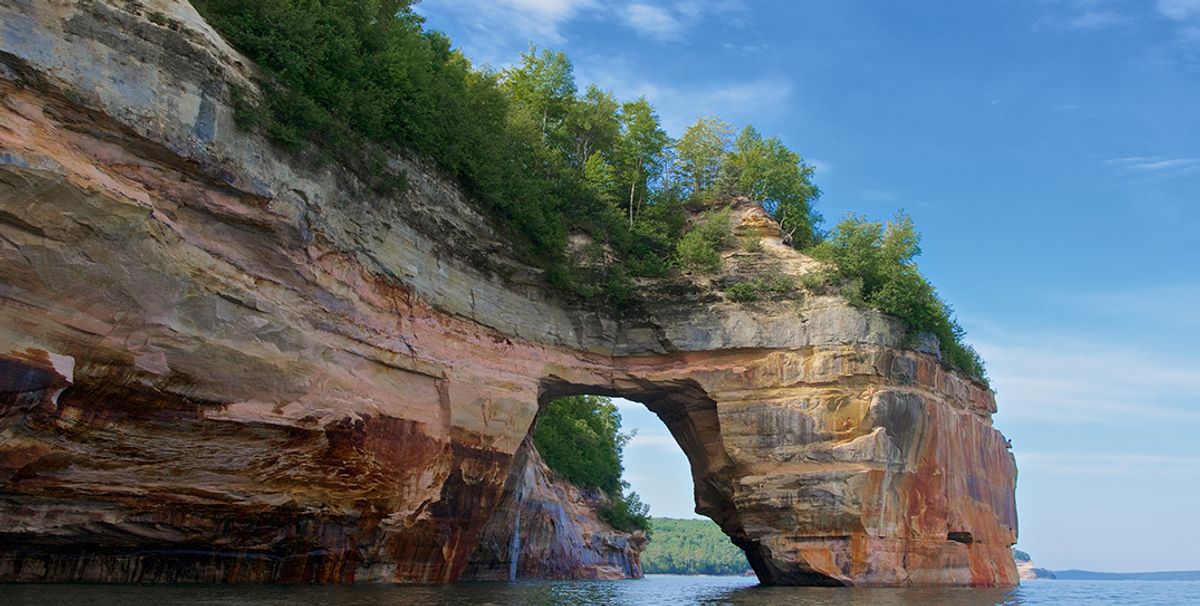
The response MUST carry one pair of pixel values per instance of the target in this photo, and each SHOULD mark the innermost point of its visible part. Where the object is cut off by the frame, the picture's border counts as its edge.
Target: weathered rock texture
(222, 363)
(545, 528)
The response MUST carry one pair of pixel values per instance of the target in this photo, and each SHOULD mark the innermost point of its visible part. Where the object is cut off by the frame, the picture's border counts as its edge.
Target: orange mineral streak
(226, 368)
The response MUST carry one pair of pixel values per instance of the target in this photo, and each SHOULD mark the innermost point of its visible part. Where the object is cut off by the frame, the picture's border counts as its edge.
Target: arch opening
(690, 416)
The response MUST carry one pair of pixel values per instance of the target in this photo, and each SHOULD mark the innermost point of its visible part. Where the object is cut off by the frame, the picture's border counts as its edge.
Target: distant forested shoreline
(679, 546)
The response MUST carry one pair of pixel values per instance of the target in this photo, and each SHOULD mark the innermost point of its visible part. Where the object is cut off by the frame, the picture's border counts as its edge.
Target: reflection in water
(652, 591)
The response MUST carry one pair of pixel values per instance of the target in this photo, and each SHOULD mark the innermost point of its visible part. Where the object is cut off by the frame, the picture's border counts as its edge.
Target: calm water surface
(653, 590)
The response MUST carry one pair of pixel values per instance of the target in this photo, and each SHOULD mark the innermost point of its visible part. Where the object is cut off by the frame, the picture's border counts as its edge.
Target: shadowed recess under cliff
(222, 363)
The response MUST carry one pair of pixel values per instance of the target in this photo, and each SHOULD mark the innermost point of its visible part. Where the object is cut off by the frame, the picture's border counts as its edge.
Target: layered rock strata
(222, 363)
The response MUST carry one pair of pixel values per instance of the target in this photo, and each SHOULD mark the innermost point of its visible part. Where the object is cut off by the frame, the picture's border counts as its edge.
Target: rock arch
(218, 363)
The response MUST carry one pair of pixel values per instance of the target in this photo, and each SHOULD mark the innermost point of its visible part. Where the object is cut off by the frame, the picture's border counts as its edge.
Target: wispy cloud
(1155, 164)
(1065, 16)
(745, 49)
(534, 19)
(1099, 20)
(500, 28)
(654, 21)
(678, 106)
(669, 21)
(1056, 379)
(822, 168)
(1172, 307)
(500, 22)
(1179, 10)
(1109, 464)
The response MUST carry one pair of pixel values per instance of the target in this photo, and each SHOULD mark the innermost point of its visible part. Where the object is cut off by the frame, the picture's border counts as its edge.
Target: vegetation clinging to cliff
(543, 159)
(580, 438)
(874, 264)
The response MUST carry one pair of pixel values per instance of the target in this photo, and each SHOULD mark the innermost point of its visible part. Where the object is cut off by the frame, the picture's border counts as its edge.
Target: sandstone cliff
(1027, 570)
(545, 528)
(222, 363)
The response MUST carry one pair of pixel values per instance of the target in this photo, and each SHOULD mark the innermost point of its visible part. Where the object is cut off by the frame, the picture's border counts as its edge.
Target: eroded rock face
(545, 528)
(221, 363)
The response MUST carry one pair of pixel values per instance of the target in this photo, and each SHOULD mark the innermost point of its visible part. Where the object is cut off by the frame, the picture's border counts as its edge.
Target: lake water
(654, 590)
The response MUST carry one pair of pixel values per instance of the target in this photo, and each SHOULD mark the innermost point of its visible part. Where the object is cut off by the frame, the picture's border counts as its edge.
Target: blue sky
(1049, 151)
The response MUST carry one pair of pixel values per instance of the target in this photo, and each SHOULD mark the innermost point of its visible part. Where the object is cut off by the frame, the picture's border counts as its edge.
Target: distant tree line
(545, 160)
(691, 547)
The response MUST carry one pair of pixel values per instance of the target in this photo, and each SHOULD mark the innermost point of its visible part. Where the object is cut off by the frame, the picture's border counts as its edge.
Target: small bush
(779, 283)
(752, 245)
(700, 249)
(696, 254)
(752, 290)
(817, 281)
(744, 291)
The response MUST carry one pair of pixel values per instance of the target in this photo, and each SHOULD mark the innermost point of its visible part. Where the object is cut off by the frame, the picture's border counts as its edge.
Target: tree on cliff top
(769, 173)
(875, 264)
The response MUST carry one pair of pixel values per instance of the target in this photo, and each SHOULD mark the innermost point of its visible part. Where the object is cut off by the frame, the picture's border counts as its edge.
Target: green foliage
(744, 291)
(626, 512)
(817, 281)
(700, 248)
(875, 265)
(752, 245)
(691, 547)
(701, 151)
(1020, 556)
(752, 290)
(639, 154)
(537, 156)
(776, 177)
(580, 438)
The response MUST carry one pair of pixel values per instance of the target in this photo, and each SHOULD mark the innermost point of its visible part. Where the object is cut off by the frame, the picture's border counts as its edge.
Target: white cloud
(669, 21)
(535, 19)
(1054, 379)
(737, 101)
(821, 167)
(1155, 164)
(498, 26)
(1179, 10)
(654, 21)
